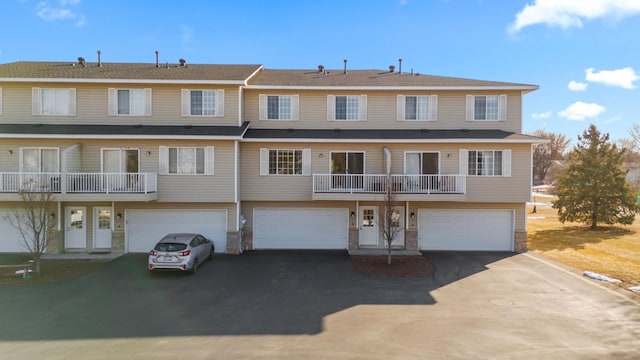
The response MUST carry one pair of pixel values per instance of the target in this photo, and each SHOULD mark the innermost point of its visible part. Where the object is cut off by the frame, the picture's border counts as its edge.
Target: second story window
(202, 102)
(186, 160)
(278, 107)
(54, 101)
(347, 108)
(285, 162)
(129, 102)
(486, 107)
(417, 107)
(485, 162)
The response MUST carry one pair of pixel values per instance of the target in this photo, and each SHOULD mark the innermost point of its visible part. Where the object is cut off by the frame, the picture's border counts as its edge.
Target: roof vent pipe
(392, 68)
(99, 58)
(81, 61)
(157, 59)
(182, 62)
(400, 66)
(345, 66)
(320, 68)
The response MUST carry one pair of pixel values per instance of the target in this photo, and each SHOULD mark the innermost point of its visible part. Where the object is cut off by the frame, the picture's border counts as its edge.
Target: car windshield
(170, 247)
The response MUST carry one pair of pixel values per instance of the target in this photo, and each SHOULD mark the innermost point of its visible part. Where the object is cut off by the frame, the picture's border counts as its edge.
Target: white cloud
(52, 13)
(544, 115)
(577, 86)
(579, 111)
(623, 78)
(571, 13)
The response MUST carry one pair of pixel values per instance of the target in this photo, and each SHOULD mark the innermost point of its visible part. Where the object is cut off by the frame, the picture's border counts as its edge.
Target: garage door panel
(146, 227)
(10, 238)
(300, 228)
(465, 230)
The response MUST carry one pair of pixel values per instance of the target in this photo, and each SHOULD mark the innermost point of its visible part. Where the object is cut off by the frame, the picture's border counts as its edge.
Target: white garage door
(145, 227)
(466, 230)
(300, 228)
(10, 239)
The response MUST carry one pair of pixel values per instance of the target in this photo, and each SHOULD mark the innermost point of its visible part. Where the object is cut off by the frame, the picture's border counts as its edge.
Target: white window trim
(463, 168)
(112, 97)
(209, 160)
(502, 108)
(432, 114)
(186, 103)
(36, 101)
(264, 162)
(20, 160)
(364, 158)
(331, 108)
(263, 111)
(422, 152)
(120, 150)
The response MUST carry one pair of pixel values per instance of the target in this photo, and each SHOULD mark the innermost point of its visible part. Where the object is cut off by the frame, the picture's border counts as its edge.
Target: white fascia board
(402, 88)
(121, 81)
(123, 137)
(398, 141)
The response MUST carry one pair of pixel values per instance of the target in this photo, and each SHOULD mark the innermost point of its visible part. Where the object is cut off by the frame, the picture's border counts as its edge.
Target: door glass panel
(338, 163)
(104, 219)
(355, 163)
(76, 219)
(413, 164)
(131, 161)
(111, 161)
(395, 218)
(368, 218)
(31, 160)
(429, 163)
(49, 160)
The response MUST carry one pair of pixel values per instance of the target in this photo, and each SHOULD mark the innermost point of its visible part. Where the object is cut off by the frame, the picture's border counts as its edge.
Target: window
(53, 101)
(285, 162)
(202, 102)
(186, 160)
(417, 108)
(120, 160)
(129, 102)
(486, 107)
(347, 108)
(485, 162)
(278, 107)
(421, 163)
(39, 160)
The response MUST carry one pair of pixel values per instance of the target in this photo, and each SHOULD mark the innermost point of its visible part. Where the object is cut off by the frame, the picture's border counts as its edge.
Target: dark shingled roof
(118, 130)
(384, 134)
(133, 71)
(270, 77)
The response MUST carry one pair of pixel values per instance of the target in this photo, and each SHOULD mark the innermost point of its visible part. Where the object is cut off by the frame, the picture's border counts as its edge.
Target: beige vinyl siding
(382, 111)
(73, 159)
(92, 105)
(519, 207)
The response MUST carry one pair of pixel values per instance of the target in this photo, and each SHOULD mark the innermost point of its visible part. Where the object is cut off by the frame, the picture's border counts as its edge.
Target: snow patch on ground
(600, 277)
(635, 289)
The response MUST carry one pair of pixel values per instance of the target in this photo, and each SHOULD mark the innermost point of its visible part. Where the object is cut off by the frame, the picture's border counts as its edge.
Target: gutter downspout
(387, 156)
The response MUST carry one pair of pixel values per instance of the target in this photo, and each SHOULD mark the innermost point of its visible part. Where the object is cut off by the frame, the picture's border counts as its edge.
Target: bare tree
(545, 154)
(31, 219)
(389, 217)
(634, 131)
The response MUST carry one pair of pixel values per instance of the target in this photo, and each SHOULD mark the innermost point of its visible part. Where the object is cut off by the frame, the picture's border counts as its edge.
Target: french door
(347, 169)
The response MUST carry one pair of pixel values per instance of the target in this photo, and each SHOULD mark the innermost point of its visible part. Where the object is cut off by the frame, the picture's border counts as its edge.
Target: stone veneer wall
(247, 240)
(354, 238)
(411, 239)
(54, 243)
(117, 241)
(520, 241)
(233, 242)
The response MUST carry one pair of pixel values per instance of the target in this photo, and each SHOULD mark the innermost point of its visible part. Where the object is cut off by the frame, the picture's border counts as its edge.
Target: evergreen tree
(593, 189)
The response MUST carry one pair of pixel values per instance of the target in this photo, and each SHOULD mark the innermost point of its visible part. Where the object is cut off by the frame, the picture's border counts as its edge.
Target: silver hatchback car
(180, 251)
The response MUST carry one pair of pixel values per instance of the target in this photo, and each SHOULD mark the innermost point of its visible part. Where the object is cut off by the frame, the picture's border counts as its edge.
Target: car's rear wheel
(194, 268)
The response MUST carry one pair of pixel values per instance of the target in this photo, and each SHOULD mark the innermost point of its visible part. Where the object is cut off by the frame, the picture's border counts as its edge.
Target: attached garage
(466, 230)
(300, 228)
(145, 227)
(10, 239)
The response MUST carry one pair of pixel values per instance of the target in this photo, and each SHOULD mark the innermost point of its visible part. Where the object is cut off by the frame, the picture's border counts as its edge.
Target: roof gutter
(120, 81)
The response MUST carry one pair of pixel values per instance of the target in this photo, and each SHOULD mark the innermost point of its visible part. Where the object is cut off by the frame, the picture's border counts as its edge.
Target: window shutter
(36, 101)
(433, 107)
(470, 107)
(113, 102)
(463, 162)
(331, 107)
(506, 162)
(208, 160)
(262, 107)
(400, 108)
(147, 102)
(220, 102)
(72, 102)
(362, 113)
(264, 161)
(163, 158)
(306, 162)
(502, 106)
(295, 107)
(186, 102)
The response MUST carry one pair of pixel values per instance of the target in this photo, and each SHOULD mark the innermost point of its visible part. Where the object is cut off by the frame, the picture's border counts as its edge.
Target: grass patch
(51, 270)
(613, 251)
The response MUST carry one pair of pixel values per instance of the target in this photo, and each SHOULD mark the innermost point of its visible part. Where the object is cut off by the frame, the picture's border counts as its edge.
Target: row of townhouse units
(257, 158)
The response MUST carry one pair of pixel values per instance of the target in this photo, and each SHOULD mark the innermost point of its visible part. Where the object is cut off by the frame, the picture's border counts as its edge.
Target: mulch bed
(52, 270)
(401, 266)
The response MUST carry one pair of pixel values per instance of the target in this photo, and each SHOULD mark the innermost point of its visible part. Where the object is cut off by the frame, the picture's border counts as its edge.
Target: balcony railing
(79, 182)
(402, 184)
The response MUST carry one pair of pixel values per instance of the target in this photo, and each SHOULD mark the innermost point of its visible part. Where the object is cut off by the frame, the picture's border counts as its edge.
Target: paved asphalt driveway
(310, 305)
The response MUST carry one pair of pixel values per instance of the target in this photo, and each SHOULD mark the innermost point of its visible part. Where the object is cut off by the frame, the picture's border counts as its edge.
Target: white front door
(368, 225)
(75, 235)
(397, 219)
(102, 218)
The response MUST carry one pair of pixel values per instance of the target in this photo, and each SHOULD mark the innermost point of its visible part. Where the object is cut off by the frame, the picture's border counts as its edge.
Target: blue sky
(584, 54)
